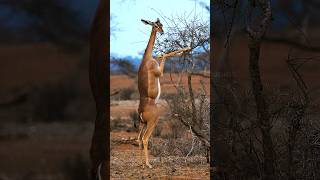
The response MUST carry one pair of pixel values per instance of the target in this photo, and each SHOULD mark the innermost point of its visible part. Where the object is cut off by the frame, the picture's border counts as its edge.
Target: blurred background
(46, 107)
(288, 68)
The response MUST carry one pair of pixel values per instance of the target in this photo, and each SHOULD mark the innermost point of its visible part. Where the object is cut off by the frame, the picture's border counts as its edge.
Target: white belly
(159, 91)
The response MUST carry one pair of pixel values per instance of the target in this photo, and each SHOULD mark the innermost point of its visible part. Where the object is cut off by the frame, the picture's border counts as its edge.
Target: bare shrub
(192, 113)
(258, 132)
(134, 116)
(171, 128)
(182, 135)
(124, 66)
(177, 136)
(189, 109)
(117, 124)
(293, 130)
(125, 94)
(177, 147)
(157, 131)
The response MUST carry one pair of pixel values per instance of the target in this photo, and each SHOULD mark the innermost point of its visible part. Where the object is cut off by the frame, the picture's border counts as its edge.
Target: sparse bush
(123, 66)
(169, 129)
(126, 93)
(188, 107)
(157, 130)
(176, 129)
(174, 139)
(117, 124)
(134, 116)
(192, 112)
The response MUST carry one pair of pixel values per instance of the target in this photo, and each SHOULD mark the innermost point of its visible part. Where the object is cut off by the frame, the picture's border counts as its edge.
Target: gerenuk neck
(148, 51)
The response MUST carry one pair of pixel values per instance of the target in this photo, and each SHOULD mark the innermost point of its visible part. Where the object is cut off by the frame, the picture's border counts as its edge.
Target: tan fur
(149, 87)
(148, 74)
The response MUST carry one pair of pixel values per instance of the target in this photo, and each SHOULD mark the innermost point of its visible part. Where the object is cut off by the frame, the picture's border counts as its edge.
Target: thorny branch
(193, 33)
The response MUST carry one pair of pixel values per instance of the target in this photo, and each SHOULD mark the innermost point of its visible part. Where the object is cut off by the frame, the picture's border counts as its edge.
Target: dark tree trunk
(263, 115)
(99, 71)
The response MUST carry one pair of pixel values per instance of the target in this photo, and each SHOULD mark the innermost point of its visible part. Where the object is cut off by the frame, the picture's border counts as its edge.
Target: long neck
(148, 51)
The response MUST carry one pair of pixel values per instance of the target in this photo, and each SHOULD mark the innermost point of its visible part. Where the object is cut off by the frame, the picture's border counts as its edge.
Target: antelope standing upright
(149, 89)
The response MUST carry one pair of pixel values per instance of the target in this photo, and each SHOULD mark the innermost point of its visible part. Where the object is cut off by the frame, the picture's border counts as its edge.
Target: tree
(263, 115)
(190, 108)
(248, 142)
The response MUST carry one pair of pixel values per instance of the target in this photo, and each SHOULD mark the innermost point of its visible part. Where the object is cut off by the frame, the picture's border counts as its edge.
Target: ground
(126, 162)
(126, 157)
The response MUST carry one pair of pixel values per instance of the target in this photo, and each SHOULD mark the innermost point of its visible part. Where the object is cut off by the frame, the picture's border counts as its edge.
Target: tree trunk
(263, 115)
(98, 72)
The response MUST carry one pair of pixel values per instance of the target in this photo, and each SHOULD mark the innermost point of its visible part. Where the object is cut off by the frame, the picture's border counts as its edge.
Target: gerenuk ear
(146, 22)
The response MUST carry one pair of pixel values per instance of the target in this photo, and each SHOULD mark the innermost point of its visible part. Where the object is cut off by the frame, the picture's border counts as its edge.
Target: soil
(126, 156)
(126, 162)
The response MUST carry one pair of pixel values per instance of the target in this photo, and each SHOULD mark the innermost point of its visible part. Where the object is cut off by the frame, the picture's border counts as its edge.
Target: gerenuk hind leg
(152, 119)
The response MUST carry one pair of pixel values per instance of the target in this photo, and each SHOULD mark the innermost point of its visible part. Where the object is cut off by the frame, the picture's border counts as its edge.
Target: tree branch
(292, 42)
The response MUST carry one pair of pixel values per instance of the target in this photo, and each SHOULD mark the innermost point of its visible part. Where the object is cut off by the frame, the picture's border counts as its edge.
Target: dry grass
(126, 162)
